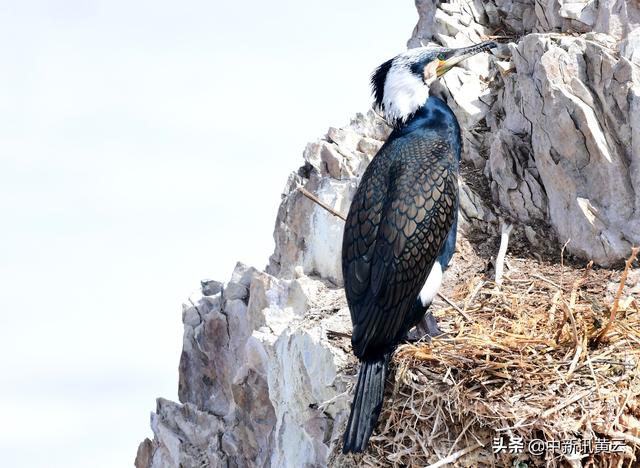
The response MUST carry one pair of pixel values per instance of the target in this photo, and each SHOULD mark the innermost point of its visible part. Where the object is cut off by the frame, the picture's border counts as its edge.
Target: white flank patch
(431, 286)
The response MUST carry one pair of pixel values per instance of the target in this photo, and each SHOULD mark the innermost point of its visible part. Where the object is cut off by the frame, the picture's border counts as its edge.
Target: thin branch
(504, 241)
(565, 403)
(464, 429)
(452, 304)
(562, 261)
(453, 457)
(337, 334)
(616, 301)
(485, 37)
(315, 199)
(547, 280)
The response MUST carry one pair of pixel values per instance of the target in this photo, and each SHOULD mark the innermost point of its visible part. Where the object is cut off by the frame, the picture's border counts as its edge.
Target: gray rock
(259, 381)
(210, 287)
(552, 122)
(630, 47)
(473, 209)
(238, 287)
(515, 180)
(183, 436)
(569, 107)
(426, 29)
(306, 235)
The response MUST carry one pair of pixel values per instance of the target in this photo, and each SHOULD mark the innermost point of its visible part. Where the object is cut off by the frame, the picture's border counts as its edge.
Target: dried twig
(337, 334)
(562, 261)
(498, 37)
(452, 304)
(565, 403)
(547, 280)
(315, 199)
(504, 241)
(616, 301)
(454, 456)
(505, 372)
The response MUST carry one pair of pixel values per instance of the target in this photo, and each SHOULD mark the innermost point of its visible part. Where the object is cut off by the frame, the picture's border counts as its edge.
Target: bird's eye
(440, 57)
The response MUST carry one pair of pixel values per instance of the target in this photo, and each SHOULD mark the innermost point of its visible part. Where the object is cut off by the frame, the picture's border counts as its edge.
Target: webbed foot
(426, 329)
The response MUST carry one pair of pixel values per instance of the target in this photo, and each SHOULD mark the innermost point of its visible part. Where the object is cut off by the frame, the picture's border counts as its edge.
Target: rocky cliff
(551, 127)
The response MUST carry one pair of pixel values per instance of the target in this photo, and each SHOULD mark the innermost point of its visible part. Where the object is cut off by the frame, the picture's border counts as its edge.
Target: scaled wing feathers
(398, 220)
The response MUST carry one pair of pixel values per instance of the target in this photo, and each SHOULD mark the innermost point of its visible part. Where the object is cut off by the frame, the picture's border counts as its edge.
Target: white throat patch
(404, 91)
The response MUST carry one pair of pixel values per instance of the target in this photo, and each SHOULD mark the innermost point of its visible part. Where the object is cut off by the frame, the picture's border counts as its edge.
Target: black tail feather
(367, 403)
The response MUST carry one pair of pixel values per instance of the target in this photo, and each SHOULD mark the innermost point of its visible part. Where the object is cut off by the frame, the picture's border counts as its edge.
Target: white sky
(143, 147)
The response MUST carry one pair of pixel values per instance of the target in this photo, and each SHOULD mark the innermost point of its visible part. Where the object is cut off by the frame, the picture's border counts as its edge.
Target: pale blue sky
(143, 146)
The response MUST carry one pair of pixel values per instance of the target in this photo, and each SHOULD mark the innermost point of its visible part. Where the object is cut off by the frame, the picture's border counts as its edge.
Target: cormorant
(401, 228)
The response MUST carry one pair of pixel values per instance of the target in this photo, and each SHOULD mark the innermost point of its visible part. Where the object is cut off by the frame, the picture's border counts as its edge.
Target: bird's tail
(367, 403)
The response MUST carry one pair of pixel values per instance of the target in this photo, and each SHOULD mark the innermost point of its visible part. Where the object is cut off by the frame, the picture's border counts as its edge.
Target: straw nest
(549, 356)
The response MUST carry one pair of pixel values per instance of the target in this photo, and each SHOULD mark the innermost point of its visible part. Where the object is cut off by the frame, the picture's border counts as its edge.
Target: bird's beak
(461, 54)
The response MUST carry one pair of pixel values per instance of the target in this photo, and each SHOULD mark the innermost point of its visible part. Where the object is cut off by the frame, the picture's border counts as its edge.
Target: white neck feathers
(404, 92)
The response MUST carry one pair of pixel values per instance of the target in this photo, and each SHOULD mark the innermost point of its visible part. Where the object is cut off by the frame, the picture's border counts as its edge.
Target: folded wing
(399, 218)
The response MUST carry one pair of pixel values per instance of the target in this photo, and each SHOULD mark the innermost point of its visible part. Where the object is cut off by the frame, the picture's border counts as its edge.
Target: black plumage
(401, 221)
(399, 218)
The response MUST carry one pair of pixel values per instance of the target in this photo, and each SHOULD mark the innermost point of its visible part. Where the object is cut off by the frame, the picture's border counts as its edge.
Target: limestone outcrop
(551, 128)
(556, 130)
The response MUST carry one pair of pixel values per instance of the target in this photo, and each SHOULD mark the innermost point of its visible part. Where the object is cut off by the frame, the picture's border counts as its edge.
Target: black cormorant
(401, 228)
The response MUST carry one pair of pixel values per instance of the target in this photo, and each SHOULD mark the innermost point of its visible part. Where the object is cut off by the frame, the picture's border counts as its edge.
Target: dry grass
(534, 363)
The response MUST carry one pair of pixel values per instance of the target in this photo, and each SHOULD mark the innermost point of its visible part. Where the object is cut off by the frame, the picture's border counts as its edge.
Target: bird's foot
(426, 329)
